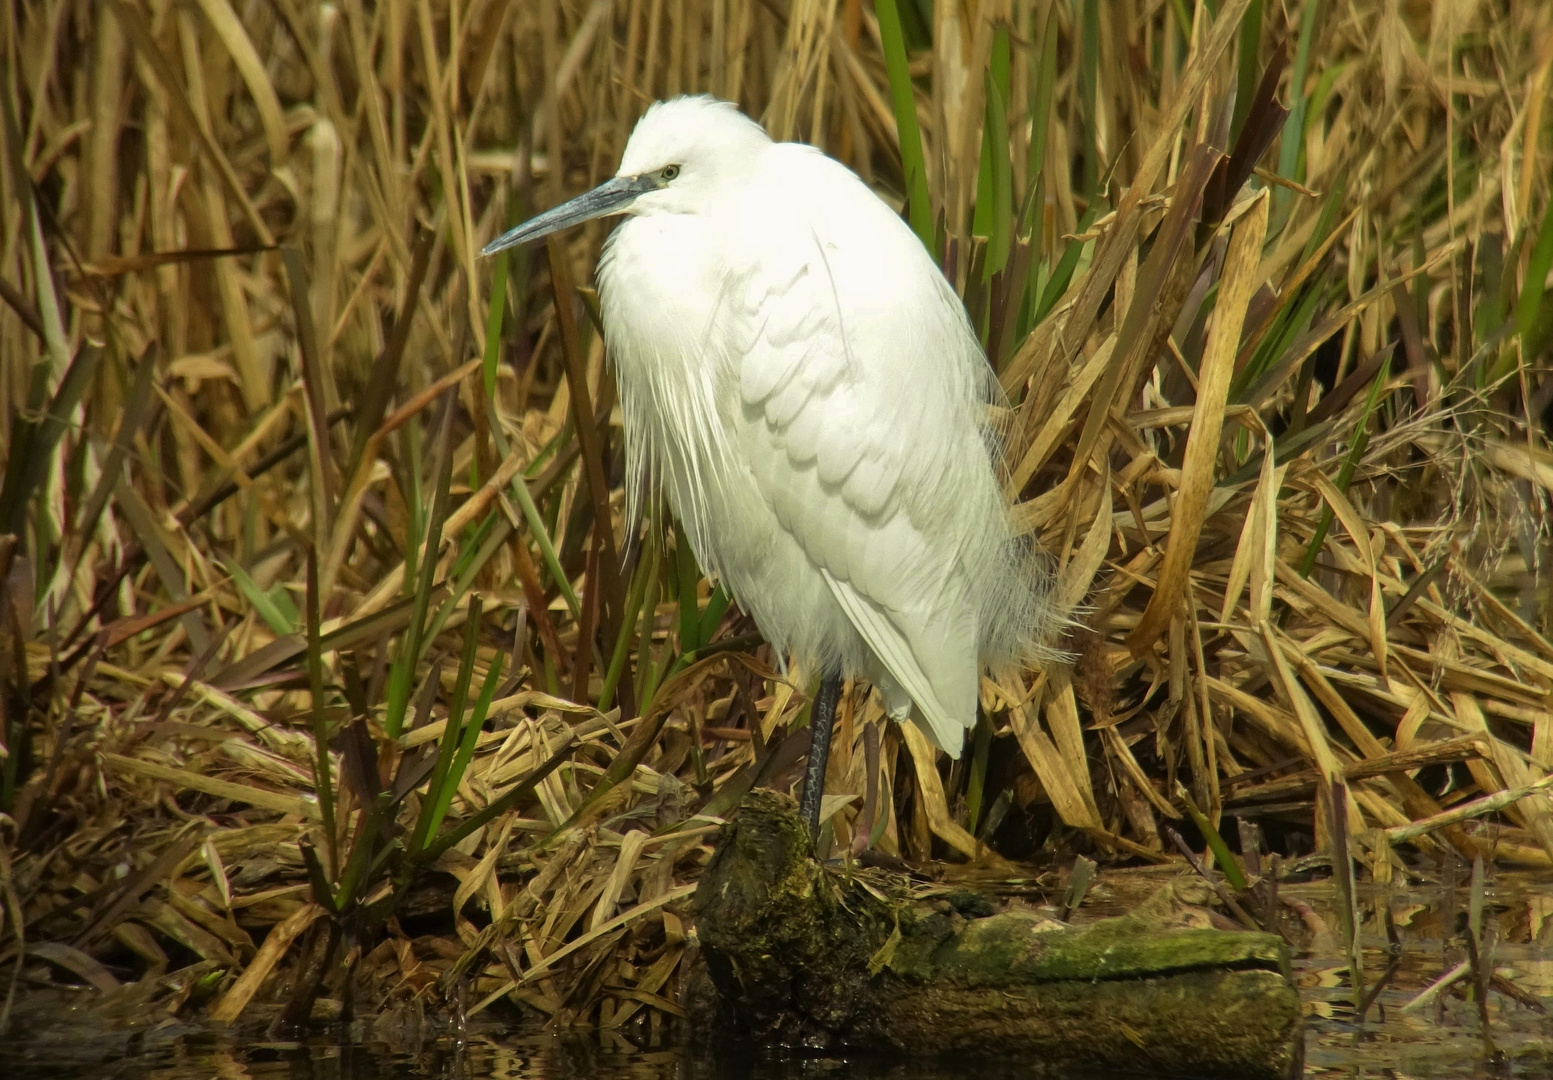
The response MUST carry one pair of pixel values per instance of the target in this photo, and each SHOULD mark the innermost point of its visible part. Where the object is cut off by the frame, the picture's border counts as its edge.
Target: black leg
(822, 721)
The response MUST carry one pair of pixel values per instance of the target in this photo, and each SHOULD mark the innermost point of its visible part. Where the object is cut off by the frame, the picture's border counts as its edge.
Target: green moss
(1023, 947)
(802, 956)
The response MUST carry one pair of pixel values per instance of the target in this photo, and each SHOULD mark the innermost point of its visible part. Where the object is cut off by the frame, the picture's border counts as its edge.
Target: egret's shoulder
(805, 195)
(815, 177)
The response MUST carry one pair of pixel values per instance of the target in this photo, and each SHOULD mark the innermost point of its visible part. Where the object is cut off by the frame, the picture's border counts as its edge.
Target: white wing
(862, 392)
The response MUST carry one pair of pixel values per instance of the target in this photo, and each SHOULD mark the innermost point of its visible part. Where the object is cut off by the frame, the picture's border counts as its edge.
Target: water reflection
(1404, 1036)
(1414, 1050)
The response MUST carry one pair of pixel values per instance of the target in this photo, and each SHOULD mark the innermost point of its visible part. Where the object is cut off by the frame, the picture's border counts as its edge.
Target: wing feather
(895, 652)
(861, 403)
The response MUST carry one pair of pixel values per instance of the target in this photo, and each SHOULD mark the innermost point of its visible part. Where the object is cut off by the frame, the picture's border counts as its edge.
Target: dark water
(1435, 1043)
(1441, 1052)
(1401, 1038)
(1432, 1046)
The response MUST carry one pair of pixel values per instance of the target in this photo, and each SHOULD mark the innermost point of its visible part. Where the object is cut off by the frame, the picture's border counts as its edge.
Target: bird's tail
(1021, 618)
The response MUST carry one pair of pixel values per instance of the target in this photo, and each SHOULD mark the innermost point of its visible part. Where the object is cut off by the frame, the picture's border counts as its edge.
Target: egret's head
(678, 154)
(685, 147)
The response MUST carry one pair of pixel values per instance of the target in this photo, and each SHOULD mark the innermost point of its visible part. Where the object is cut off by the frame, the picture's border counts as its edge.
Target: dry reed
(319, 683)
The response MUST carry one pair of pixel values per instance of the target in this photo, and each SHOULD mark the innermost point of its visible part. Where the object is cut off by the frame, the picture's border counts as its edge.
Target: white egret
(800, 381)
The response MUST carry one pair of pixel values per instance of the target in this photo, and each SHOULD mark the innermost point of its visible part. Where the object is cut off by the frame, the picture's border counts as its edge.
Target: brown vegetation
(317, 678)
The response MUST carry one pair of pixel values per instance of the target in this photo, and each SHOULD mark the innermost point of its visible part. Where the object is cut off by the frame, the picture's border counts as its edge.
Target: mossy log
(801, 955)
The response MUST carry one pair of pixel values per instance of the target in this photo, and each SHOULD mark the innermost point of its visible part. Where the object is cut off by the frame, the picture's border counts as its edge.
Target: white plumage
(801, 383)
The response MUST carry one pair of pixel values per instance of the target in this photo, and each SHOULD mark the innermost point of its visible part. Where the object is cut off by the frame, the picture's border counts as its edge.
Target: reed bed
(324, 690)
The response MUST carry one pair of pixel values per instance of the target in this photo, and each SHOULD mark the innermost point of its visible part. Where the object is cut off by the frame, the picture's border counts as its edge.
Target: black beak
(613, 196)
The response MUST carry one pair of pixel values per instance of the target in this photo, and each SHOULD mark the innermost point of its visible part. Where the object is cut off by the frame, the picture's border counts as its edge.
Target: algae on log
(800, 955)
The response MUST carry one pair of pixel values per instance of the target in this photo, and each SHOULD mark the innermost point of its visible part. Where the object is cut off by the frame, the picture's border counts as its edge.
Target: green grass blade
(547, 550)
(1361, 438)
(1249, 66)
(317, 877)
(323, 774)
(886, 809)
(1221, 852)
(716, 608)
(33, 442)
(628, 623)
(133, 418)
(1330, 211)
(531, 515)
(466, 746)
(1291, 322)
(493, 323)
(281, 618)
(1062, 274)
(1041, 112)
(983, 218)
(414, 503)
(1537, 267)
(975, 787)
(1490, 305)
(981, 212)
(1089, 87)
(645, 669)
(409, 655)
(494, 534)
(687, 575)
(1000, 67)
(436, 787)
(348, 894)
(1294, 127)
(523, 789)
(475, 538)
(1000, 234)
(903, 98)
(1183, 18)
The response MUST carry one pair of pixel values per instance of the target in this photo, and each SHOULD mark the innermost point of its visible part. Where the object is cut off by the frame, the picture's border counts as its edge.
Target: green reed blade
(688, 574)
(404, 664)
(716, 608)
(1361, 437)
(904, 101)
(995, 139)
(1062, 273)
(523, 789)
(536, 522)
(1221, 852)
(274, 606)
(628, 623)
(33, 441)
(1089, 94)
(975, 787)
(1294, 127)
(645, 668)
(493, 324)
(1537, 267)
(323, 777)
(466, 746)
(448, 744)
(1248, 66)
(1041, 112)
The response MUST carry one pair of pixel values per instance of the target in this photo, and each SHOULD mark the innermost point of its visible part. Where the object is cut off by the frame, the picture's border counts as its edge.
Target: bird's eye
(669, 172)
